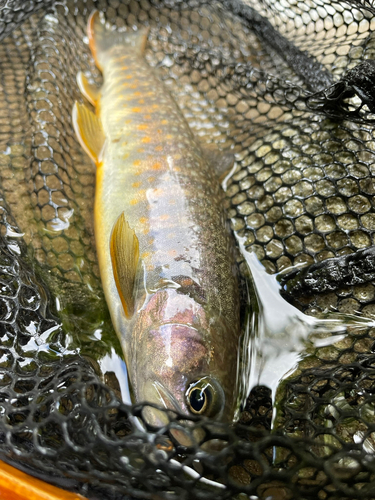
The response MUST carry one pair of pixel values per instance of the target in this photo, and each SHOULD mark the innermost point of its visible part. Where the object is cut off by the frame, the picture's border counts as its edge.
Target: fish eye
(198, 399)
(205, 397)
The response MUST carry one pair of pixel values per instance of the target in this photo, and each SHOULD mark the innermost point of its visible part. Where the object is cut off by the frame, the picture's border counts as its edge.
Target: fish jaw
(155, 393)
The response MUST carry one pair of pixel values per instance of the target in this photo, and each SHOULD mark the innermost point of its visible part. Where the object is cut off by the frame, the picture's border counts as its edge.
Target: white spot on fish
(170, 162)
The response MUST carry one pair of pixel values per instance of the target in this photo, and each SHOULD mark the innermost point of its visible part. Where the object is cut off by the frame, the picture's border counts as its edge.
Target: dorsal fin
(91, 92)
(89, 131)
(102, 39)
(124, 248)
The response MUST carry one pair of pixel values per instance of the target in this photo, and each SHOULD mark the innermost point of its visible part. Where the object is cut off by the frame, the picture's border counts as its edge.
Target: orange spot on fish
(143, 126)
(125, 67)
(125, 156)
(172, 253)
(146, 139)
(159, 148)
(164, 217)
(128, 77)
(156, 166)
(136, 110)
(140, 150)
(186, 282)
(143, 220)
(151, 241)
(164, 122)
(136, 184)
(147, 117)
(140, 196)
(158, 131)
(144, 255)
(141, 101)
(136, 163)
(150, 179)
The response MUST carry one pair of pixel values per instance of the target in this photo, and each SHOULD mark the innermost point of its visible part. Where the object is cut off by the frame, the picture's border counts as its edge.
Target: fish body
(165, 254)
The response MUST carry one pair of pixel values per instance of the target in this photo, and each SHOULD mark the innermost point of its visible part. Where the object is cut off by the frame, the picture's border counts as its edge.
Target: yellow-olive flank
(165, 254)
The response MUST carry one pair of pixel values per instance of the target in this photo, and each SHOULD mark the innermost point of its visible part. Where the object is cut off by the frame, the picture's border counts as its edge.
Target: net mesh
(288, 86)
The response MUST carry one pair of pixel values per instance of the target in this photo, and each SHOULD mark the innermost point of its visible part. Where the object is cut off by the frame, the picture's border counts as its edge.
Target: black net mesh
(289, 86)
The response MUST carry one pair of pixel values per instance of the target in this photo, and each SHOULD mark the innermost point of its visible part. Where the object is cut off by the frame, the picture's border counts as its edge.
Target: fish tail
(102, 39)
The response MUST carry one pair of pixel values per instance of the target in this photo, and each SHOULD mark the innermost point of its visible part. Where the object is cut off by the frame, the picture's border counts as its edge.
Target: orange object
(16, 485)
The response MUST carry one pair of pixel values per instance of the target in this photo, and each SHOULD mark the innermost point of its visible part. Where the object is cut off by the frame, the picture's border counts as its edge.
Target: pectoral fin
(124, 247)
(222, 162)
(91, 92)
(88, 128)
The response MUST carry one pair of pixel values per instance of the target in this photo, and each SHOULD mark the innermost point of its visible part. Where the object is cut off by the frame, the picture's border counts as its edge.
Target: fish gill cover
(288, 86)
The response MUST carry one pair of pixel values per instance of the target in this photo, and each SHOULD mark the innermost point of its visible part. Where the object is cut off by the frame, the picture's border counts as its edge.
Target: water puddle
(278, 336)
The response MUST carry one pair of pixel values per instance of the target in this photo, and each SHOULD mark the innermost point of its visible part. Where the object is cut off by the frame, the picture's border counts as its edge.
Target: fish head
(182, 360)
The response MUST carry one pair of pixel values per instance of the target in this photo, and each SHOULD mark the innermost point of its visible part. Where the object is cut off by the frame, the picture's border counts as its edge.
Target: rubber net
(288, 86)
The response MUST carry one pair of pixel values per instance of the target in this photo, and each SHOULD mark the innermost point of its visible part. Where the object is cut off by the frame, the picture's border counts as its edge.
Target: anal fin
(91, 92)
(124, 248)
(88, 128)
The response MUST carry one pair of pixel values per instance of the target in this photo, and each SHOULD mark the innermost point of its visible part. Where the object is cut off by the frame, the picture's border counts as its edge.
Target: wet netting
(289, 87)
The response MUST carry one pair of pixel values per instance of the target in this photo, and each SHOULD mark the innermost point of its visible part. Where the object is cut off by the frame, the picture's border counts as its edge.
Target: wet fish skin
(185, 325)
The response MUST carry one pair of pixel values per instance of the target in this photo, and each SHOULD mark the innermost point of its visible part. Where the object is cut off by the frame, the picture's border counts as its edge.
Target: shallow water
(278, 336)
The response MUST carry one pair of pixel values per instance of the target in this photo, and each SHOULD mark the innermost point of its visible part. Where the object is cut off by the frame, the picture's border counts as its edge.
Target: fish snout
(156, 394)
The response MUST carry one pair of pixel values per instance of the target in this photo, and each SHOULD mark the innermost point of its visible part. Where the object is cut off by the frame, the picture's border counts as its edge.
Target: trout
(165, 253)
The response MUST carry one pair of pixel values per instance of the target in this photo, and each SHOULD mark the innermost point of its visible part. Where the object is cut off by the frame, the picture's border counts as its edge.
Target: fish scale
(135, 129)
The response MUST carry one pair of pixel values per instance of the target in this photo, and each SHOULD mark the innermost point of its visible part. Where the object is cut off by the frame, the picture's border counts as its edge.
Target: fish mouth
(157, 394)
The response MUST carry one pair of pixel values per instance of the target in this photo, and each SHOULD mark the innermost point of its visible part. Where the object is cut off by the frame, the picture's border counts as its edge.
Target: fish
(166, 255)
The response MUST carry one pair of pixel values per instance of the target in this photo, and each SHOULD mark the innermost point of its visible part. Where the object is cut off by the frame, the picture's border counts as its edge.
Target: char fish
(165, 254)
